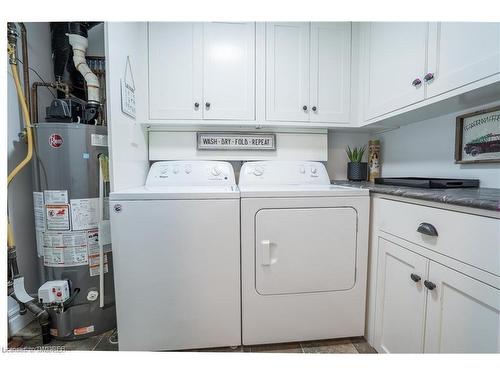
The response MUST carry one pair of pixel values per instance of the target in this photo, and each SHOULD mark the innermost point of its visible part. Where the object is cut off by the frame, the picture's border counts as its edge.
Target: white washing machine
(304, 247)
(176, 246)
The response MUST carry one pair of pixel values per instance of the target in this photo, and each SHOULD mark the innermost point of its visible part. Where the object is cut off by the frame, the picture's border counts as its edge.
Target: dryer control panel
(283, 173)
(191, 173)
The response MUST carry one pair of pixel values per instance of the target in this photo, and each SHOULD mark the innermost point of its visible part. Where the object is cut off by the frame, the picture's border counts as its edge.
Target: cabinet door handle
(415, 277)
(207, 104)
(429, 285)
(428, 229)
(314, 108)
(416, 82)
(304, 108)
(429, 77)
(196, 105)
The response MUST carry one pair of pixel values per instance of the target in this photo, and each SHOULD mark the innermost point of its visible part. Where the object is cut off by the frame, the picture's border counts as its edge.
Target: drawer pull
(415, 277)
(428, 229)
(429, 285)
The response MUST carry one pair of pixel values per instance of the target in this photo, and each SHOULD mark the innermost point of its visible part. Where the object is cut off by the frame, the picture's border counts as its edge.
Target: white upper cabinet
(461, 53)
(229, 71)
(175, 70)
(201, 71)
(287, 71)
(394, 58)
(406, 66)
(308, 71)
(330, 78)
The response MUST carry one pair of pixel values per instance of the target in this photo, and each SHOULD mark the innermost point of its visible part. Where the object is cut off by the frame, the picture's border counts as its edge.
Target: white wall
(427, 148)
(20, 198)
(337, 157)
(128, 147)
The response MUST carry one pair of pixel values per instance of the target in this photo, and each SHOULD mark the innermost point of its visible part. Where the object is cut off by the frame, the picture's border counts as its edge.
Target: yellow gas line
(29, 136)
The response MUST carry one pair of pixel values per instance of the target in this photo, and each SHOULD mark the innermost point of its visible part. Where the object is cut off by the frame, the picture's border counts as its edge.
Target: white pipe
(80, 44)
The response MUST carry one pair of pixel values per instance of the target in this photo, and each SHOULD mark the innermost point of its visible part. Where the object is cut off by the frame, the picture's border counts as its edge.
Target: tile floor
(352, 345)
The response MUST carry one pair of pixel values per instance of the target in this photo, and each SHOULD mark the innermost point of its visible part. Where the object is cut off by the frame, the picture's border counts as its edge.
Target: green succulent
(355, 154)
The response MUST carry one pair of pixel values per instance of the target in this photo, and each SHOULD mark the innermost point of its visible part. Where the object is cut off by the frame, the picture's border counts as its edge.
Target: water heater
(68, 208)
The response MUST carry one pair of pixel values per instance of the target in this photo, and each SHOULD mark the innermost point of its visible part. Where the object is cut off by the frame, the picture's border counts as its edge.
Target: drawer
(472, 239)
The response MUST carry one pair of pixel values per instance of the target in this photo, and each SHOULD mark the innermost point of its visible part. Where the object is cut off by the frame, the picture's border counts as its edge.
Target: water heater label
(38, 205)
(83, 330)
(39, 242)
(84, 213)
(57, 216)
(64, 239)
(65, 256)
(99, 140)
(55, 196)
(56, 140)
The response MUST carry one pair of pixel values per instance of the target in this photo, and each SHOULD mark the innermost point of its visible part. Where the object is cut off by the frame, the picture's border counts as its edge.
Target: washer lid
(176, 192)
(261, 191)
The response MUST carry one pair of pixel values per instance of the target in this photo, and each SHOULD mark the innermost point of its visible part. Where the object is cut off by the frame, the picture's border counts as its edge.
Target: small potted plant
(356, 169)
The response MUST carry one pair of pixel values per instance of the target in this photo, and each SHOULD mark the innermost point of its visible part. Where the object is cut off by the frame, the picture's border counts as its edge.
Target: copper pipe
(26, 66)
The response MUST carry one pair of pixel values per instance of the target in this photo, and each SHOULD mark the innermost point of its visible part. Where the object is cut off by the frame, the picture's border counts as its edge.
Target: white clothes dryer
(304, 247)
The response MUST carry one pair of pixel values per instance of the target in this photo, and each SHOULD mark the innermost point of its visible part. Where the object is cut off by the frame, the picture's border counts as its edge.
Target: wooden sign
(477, 137)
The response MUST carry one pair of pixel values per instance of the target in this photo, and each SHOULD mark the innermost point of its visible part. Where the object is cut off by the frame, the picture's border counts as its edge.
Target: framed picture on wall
(477, 137)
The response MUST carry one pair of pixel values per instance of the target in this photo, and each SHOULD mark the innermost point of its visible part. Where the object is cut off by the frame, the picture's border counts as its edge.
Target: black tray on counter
(428, 183)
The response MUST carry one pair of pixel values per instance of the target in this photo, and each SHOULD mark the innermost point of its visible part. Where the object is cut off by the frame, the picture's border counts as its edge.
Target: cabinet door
(287, 71)
(461, 53)
(400, 306)
(463, 314)
(330, 77)
(229, 71)
(395, 56)
(175, 70)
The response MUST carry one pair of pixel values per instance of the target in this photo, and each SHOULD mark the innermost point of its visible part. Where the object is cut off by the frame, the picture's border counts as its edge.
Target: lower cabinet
(423, 306)
(463, 314)
(400, 309)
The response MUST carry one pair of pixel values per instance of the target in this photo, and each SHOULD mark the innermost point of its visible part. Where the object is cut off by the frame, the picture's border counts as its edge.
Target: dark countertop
(484, 198)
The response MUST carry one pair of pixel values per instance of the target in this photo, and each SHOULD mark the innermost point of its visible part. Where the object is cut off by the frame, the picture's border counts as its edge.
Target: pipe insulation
(79, 44)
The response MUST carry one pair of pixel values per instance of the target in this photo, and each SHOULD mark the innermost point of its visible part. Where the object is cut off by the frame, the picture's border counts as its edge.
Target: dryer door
(305, 250)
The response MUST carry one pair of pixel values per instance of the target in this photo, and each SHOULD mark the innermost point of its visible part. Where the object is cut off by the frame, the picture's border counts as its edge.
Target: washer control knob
(164, 171)
(176, 170)
(258, 171)
(314, 170)
(188, 169)
(302, 170)
(215, 171)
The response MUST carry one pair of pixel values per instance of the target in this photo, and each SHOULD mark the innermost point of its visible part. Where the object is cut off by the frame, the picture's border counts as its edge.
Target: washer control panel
(190, 173)
(283, 173)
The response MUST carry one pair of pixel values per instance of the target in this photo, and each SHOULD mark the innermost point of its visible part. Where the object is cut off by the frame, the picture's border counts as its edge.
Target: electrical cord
(38, 75)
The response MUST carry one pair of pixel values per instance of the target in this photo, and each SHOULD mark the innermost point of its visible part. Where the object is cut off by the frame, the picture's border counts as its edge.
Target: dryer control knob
(176, 170)
(258, 171)
(314, 170)
(188, 169)
(302, 170)
(215, 171)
